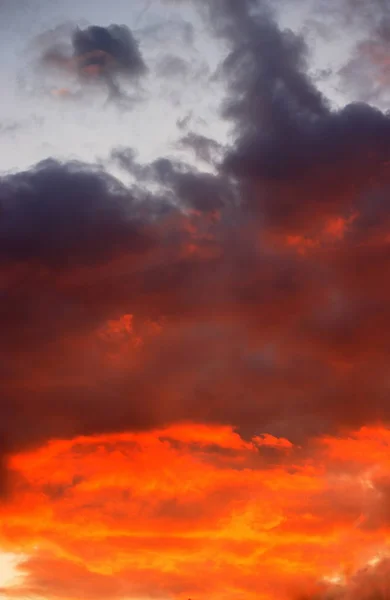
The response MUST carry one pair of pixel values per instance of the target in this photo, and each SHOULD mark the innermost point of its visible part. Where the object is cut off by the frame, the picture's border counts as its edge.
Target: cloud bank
(229, 323)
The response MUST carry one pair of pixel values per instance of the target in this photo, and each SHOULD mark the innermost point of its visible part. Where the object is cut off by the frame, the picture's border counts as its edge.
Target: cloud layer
(229, 324)
(194, 510)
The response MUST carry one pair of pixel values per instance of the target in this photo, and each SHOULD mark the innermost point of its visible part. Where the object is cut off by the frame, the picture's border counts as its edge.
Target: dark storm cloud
(291, 151)
(105, 55)
(114, 47)
(62, 215)
(266, 75)
(201, 191)
(323, 169)
(61, 228)
(339, 137)
(184, 184)
(272, 103)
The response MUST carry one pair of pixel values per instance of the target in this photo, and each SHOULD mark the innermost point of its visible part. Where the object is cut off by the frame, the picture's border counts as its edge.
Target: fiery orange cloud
(196, 511)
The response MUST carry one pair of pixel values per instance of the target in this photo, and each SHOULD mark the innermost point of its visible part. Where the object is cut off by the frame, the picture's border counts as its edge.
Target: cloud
(94, 54)
(172, 66)
(258, 271)
(171, 511)
(366, 74)
(240, 319)
(369, 583)
(196, 364)
(59, 213)
(287, 138)
(112, 47)
(204, 148)
(185, 185)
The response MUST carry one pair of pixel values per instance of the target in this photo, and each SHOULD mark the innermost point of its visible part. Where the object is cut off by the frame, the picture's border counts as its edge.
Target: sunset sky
(195, 300)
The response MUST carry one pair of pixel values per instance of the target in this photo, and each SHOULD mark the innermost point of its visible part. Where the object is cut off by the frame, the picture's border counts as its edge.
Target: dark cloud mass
(106, 55)
(113, 47)
(260, 293)
(61, 216)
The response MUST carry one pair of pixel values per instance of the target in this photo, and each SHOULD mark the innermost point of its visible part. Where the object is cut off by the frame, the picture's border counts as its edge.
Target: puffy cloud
(62, 215)
(94, 54)
(112, 47)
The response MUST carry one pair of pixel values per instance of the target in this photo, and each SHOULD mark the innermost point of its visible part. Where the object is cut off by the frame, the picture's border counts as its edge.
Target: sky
(194, 300)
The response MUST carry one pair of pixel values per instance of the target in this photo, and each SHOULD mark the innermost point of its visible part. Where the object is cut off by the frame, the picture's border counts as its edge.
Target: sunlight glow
(8, 569)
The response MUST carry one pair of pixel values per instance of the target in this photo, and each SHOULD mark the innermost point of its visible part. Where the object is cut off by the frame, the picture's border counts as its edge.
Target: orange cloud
(195, 511)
